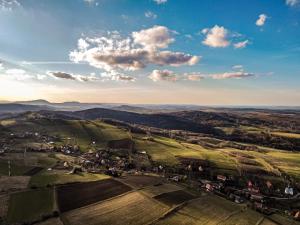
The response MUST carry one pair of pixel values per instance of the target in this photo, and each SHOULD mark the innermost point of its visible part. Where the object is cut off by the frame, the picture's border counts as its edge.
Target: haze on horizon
(151, 51)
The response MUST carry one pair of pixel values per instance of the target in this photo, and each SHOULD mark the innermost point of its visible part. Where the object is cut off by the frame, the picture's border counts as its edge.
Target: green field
(80, 132)
(30, 205)
(212, 210)
(16, 170)
(44, 179)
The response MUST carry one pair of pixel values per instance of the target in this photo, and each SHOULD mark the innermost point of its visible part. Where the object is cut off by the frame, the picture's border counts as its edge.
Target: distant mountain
(18, 108)
(136, 109)
(34, 102)
(163, 121)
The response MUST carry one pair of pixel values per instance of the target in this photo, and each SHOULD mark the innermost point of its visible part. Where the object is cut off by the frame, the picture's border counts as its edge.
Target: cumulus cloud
(261, 20)
(216, 37)
(229, 75)
(150, 14)
(241, 44)
(292, 2)
(155, 37)
(135, 52)
(160, 1)
(1, 66)
(9, 5)
(163, 75)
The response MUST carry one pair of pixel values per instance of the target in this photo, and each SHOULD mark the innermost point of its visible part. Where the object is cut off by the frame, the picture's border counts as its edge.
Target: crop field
(174, 197)
(30, 205)
(16, 169)
(72, 196)
(4, 198)
(210, 210)
(160, 189)
(132, 208)
(61, 177)
(139, 181)
(21, 164)
(13, 183)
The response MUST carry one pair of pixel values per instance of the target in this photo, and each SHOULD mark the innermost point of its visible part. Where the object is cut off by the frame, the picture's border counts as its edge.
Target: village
(120, 157)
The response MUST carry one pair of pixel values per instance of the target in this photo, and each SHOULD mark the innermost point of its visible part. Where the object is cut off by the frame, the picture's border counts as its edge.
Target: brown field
(133, 208)
(139, 181)
(174, 197)
(13, 183)
(76, 195)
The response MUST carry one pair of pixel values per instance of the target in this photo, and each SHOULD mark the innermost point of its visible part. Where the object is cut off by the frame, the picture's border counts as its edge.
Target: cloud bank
(135, 52)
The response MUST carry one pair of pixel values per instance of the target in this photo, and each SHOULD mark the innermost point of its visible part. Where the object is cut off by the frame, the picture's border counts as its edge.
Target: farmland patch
(72, 196)
(174, 197)
(30, 205)
(139, 181)
(133, 208)
(13, 183)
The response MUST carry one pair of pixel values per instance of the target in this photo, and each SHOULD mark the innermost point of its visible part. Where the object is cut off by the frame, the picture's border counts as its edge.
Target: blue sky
(210, 52)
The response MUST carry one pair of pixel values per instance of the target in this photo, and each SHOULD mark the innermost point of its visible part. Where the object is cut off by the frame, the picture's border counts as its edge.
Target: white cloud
(160, 1)
(150, 14)
(241, 44)
(132, 53)
(229, 75)
(238, 67)
(163, 75)
(8, 5)
(216, 37)
(1, 66)
(155, 37)
(188, 36)
(17, 74)
(292, 2)
(194, 76)
(116, 76)
(261, 20)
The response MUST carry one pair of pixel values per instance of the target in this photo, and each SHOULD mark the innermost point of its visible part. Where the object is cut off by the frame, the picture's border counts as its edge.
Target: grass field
(285, 134)
(160, 189)
(44, 179)
(21, 164)
(16, 169)
(211, 210)
(166, 151)
(81, 132)
(30, 205)
(133, 208)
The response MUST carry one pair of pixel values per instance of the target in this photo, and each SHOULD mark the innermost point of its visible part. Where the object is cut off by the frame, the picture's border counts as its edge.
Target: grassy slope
(44, 179)
(30, 205)
(84, 132)
(162, 150)
(212, 210)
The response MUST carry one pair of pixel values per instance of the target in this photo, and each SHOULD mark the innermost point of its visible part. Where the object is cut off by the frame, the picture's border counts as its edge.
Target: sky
(208, 52)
